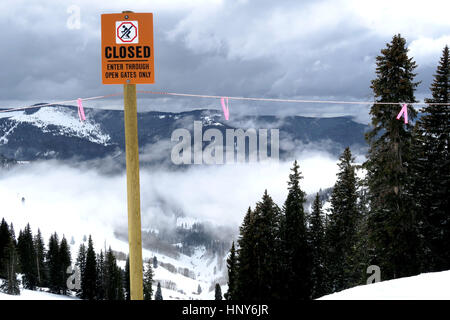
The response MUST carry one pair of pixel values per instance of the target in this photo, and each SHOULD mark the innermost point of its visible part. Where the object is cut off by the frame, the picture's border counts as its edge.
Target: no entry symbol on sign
(126, 32)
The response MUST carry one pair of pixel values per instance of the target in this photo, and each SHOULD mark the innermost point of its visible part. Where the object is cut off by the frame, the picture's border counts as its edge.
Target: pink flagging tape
(226, 110)
(81, 110)
(404, 111)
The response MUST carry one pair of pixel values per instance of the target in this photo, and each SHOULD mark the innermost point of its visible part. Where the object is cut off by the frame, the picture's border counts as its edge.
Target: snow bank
(35, 295)
(427, 286)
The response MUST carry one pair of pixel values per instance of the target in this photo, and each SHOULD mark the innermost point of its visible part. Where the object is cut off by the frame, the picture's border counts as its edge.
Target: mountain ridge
(56, 132)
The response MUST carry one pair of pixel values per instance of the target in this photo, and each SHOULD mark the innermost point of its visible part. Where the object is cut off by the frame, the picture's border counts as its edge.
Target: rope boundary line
(3, 110)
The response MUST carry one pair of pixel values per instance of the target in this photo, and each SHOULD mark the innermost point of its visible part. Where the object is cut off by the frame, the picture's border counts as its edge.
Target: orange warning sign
(127, 48)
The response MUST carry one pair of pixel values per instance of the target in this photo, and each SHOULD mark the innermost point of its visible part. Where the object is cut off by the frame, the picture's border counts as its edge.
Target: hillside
(56, 133)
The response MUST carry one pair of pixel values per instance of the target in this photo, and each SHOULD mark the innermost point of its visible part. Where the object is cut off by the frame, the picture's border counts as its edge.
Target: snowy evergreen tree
(232, 273)
(148, 281)
(5, 238)
(65, 261)
(40, 253)
(81, 264)
(341, 234)
(89, 276)
(100, 276)
(120, 282)
(127, 280)
(317, 245)
(113, 276)
(362, 253)
(158, 294)
(296, 255)
(27, 258)
(246, 282)
(53, 264)
(431, 170)
(259, 258)
(218, 292)
(392, 225)
(12, 233)
(10, 283)
(9, 260)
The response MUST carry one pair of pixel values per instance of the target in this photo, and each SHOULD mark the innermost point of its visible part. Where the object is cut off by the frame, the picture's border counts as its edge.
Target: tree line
(396, 217)
(98, 274)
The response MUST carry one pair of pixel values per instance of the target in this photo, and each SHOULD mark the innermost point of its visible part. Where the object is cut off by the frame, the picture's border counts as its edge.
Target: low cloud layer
(80, 201)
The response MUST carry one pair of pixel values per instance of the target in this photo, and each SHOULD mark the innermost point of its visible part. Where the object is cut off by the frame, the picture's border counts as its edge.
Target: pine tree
(100, 276)
(81, 264)
(296, 255)
(10, 284)
(432, 170)
(9, 260)
(89, 276)
(218, 292)
(12, 234)
(155, 262)
(40, 253)
(27, 258)
(341, 235)
(113, 278)
(362, 254)
(317, 245)
(127, 280)
(53, 264)
(65, 261)
(4, 243)
(246, 280)
(120, 281)
(232, 273)
(158, 294)
(266, 271)
(393, 236)
(148, 281)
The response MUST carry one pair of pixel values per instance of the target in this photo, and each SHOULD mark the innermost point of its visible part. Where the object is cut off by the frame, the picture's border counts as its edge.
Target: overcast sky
(281, 49)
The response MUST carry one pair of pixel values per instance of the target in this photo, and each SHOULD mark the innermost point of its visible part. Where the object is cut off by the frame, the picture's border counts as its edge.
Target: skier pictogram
(126, 32)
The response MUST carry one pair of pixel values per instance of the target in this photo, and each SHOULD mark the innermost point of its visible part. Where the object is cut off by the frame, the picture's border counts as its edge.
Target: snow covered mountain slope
(76, 215)
(179, 276)
(56, 120)
(56, 132)
(426, 286)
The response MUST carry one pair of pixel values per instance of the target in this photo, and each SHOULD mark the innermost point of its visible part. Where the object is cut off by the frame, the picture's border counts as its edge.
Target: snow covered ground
(35, 295)
(426, 286)
(59, 120)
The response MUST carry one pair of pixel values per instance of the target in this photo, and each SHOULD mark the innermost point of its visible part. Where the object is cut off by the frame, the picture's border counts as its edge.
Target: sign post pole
(133, 192)
(128, 59)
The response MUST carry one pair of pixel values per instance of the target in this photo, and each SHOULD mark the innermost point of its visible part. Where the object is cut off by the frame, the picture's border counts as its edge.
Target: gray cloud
(293, 49)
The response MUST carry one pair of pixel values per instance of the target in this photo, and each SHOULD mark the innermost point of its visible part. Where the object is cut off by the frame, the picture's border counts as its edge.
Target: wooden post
(133, 192)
